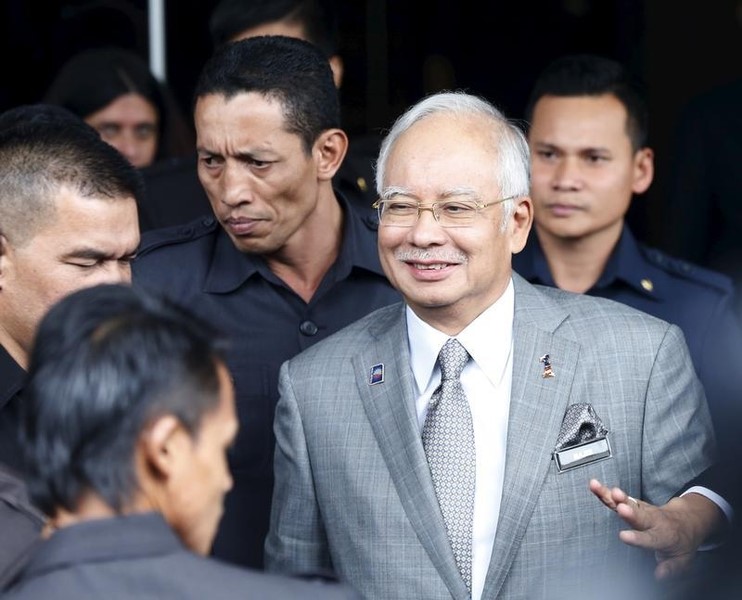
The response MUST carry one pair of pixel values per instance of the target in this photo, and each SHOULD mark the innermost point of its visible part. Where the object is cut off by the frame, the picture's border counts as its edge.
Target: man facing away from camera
(125, 426)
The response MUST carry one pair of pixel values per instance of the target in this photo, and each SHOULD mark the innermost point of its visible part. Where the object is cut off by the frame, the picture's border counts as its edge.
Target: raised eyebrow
(201, 152)
(250, 157)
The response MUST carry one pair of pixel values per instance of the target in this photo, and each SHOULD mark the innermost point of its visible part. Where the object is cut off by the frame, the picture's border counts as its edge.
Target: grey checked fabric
(448, 439)
(580, 424)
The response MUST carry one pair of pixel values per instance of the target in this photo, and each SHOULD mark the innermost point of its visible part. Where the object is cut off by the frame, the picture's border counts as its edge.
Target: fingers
(602, 493)
(611, 497)
(639, 515)
(651, 527)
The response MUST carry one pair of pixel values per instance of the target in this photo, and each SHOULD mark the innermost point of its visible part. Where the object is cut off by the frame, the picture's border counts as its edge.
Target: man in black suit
(128, 416)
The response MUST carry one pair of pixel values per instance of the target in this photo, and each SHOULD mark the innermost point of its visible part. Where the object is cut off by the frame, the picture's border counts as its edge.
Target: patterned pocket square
(580, 424)
(582, 438)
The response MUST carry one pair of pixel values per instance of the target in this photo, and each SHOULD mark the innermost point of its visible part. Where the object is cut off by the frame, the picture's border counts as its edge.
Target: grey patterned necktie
(448, 439)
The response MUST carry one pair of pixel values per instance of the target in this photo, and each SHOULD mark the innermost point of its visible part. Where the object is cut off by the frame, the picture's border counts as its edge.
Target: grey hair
(513, 169)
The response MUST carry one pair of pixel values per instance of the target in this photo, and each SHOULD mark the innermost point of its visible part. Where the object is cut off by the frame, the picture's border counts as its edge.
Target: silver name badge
(582, 454)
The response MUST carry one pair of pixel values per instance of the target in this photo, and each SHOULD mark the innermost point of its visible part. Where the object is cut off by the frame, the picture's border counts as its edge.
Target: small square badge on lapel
(377, 374)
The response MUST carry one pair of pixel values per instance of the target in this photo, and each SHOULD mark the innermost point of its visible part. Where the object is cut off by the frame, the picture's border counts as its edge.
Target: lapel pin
(377, 374)
(548, 371)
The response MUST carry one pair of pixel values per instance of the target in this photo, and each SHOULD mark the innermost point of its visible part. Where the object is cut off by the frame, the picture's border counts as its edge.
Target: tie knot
(452, 359)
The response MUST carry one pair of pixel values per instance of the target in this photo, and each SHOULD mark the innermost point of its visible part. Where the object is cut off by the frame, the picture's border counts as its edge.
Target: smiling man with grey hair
(444, 447)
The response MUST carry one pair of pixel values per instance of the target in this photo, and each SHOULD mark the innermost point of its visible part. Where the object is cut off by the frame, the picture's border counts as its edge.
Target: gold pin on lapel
(548, 371)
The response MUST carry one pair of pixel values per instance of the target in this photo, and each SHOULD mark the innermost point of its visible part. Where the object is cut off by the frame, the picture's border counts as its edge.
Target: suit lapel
(390, 407)
(537, 407)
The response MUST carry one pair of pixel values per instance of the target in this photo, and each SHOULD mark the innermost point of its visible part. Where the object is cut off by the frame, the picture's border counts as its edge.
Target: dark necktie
(448, 439)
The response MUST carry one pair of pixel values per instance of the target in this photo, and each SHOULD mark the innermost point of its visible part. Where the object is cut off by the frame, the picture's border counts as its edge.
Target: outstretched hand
(673, 531)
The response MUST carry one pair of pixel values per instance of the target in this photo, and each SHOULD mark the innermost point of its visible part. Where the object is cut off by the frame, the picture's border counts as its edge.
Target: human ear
(643, 170)
(6, 257)
(163, 445)
(338, 69)
(520, 223)
(330, 149)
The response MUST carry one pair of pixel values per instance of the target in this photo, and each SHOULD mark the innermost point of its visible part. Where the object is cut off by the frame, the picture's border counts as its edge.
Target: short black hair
(231, 17)
(286, 69)
(45, 147)
(593, 75)
(106, 361)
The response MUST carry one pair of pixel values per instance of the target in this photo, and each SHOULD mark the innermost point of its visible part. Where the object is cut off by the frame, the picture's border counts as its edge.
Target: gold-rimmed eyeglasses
(448, 213)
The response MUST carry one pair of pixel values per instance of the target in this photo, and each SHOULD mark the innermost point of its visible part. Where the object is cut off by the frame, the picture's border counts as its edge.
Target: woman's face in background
(130, 124)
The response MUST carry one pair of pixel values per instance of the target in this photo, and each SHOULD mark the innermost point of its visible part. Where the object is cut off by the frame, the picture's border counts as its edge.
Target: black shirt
(267, 323)
(12, 378)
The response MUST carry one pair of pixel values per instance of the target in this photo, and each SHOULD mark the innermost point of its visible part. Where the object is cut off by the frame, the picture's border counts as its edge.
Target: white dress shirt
(486, 381)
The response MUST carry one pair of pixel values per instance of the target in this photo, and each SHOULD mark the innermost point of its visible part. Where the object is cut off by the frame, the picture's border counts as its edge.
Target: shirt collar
(495, 323)
(230, 268)
(629, 266)
(624, 266)
(115, 538)
(531, 263)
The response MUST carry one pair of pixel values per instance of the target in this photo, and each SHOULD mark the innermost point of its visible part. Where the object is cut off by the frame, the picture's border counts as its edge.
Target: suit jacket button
(308, 328)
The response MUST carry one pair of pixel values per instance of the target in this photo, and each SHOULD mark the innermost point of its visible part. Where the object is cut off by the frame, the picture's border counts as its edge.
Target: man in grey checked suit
(354, 488)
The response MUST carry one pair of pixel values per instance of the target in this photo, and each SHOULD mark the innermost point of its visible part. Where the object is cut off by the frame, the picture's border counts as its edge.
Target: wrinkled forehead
(444, 152)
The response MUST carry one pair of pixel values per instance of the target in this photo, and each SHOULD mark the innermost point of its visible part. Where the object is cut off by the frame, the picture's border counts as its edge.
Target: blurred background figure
(704, 208)
(308, 20)
(114, 91)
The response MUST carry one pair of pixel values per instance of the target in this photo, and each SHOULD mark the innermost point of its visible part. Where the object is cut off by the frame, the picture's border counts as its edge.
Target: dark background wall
(397, 50)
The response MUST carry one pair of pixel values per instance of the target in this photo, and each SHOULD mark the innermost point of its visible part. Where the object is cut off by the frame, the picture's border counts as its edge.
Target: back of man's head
(231, 19)
(106, 362)
(288, 70)
(592, 75)
(43, 148)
